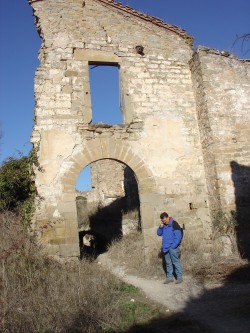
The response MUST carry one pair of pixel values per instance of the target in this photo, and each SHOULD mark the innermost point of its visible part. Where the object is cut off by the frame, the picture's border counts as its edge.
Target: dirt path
(225, 308)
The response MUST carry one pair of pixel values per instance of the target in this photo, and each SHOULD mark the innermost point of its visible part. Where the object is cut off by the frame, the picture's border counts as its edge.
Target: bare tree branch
(243, 39)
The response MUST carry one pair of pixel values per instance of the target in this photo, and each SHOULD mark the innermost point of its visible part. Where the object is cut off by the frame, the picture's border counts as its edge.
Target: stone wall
(223, 88)
(107, 180)
(170, 110)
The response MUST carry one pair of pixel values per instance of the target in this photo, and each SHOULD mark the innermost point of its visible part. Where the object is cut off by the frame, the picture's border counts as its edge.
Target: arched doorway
(99, 149)
(109, 208)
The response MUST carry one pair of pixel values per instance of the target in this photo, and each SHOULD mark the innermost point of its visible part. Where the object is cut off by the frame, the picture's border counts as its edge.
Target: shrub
(224, 232)
(14, 183)
(40, 294)
(224, 224)
(17, 187)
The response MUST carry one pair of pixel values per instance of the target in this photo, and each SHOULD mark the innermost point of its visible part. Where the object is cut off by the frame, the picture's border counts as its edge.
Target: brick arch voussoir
(109, 149)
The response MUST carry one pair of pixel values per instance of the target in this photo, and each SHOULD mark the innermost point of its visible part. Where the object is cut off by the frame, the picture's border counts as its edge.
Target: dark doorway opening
(110, 210)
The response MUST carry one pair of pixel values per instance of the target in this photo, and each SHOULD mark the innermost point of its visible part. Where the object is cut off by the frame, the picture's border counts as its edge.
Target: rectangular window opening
(105, 93)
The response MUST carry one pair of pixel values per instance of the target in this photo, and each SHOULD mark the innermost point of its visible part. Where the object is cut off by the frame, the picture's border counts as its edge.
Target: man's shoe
(168, 280)
(180, 280)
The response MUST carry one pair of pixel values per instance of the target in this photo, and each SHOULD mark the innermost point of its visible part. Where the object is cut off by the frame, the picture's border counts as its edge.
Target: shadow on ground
(221, 309)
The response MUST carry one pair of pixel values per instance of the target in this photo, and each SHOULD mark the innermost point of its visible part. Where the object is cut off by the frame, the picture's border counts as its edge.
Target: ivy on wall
(17, 186)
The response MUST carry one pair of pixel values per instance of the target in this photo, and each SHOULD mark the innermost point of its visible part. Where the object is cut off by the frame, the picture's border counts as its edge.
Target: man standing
(171, 234)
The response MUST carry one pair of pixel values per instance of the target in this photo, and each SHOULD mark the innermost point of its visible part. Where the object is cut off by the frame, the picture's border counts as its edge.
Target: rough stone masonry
(186, 119)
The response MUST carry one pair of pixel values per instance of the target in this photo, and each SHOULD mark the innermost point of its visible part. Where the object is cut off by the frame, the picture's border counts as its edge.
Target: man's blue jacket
(171, 235)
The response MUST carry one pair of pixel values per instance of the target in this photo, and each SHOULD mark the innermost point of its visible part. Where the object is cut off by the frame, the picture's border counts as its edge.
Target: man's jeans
(173, 263)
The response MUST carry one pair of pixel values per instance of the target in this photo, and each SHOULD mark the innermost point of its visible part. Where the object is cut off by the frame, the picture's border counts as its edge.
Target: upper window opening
(104, 89)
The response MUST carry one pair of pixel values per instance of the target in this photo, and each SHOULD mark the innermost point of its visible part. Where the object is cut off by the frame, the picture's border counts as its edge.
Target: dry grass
(209, 263)
(41, 295)
(197, 259)
(129, 252)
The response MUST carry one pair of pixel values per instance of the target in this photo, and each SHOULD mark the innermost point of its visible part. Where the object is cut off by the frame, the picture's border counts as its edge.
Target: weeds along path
(222, 307)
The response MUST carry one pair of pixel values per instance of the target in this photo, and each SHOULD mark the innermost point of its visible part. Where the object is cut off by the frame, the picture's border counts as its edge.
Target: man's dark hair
(164, 214)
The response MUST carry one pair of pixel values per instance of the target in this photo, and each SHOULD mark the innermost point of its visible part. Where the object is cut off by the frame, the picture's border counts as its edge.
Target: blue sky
(213, 23)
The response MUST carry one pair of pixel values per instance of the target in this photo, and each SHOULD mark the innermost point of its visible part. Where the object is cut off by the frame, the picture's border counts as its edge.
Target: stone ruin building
(186, 123)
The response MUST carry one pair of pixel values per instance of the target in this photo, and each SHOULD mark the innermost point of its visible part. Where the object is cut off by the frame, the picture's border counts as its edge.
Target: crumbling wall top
(227, 54)
(152, 19)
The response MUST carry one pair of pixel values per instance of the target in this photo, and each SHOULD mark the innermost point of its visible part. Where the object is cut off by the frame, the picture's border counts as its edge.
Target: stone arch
(98, 149)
